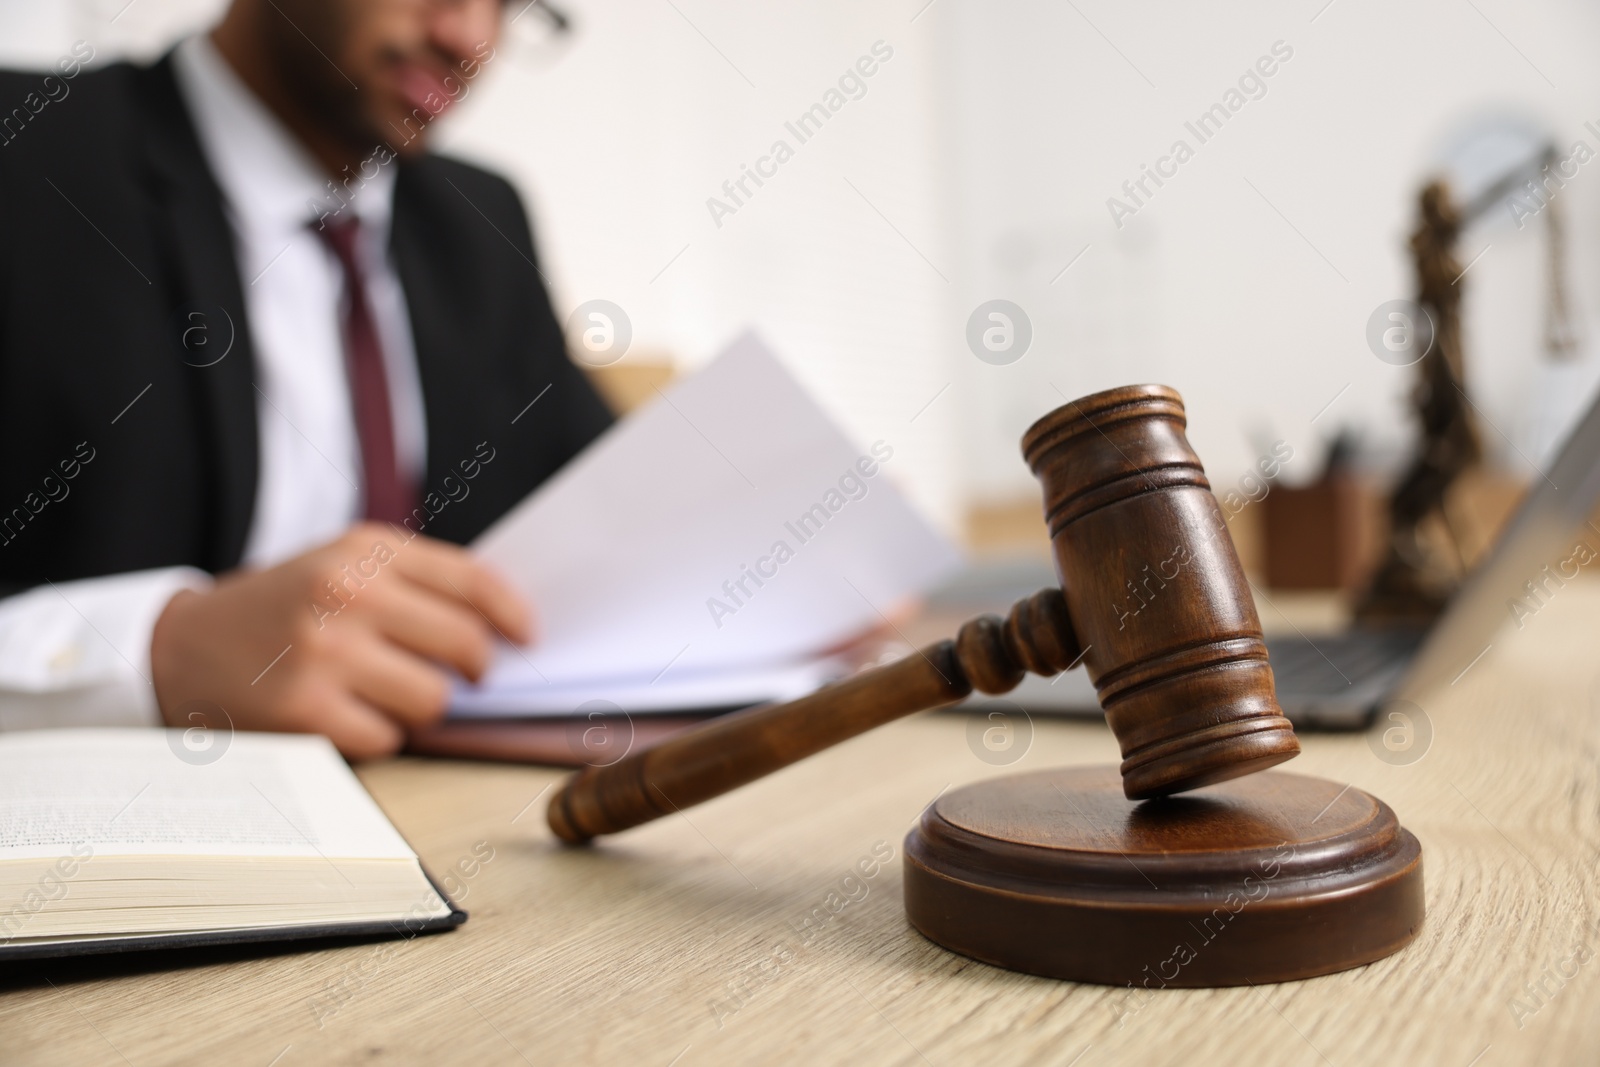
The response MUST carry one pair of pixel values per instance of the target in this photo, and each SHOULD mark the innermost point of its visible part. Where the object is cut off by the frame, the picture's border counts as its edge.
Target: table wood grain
(743, 931)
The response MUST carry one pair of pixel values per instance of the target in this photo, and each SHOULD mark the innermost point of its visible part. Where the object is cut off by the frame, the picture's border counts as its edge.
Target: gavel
(1152, 601)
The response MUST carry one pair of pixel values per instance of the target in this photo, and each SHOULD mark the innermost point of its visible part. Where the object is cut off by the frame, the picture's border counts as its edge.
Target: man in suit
(264, 364)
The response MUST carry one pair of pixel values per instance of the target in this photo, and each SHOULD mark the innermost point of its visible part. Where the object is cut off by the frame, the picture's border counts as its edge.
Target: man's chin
(406, 131)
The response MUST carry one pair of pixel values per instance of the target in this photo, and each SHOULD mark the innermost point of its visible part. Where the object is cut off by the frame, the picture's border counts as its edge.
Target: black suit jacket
(123, 445)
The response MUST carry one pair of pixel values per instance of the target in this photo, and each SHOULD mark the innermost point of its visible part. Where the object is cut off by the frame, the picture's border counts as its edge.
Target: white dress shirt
(78, 653)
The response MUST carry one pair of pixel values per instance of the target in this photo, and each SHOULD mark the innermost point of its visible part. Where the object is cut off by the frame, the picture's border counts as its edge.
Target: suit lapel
(442, 336)
(208, 305)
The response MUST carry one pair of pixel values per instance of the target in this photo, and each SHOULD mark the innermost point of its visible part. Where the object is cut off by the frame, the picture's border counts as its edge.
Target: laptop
(1340, 680)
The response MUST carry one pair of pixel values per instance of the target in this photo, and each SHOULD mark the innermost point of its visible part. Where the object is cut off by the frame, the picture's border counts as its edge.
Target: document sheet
(705, 551)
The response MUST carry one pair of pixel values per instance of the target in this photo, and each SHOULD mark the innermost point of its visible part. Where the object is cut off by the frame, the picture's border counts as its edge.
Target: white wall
(1208, 287)
(982, 156)
(623, 137)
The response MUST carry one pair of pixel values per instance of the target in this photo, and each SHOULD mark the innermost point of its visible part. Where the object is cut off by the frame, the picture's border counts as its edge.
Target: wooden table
(678, 944)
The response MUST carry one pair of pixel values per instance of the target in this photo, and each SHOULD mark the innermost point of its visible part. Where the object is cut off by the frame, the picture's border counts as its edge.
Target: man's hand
(348, 640)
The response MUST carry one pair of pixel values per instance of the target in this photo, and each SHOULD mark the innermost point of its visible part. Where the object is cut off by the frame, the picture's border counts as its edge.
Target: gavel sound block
(1093, 873)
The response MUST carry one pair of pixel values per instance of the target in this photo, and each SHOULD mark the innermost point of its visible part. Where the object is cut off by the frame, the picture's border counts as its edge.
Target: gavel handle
(988, 654)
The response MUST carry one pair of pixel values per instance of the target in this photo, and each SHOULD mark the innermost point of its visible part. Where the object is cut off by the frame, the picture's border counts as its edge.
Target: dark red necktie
(389, 497)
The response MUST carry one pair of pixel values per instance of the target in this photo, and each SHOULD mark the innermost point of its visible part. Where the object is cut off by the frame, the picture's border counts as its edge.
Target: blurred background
(979, 161)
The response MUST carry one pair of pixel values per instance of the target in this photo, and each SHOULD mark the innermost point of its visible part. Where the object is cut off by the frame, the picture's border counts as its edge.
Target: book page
(141, 792)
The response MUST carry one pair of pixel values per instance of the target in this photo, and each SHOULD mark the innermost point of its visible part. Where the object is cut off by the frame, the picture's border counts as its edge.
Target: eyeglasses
(534, 22)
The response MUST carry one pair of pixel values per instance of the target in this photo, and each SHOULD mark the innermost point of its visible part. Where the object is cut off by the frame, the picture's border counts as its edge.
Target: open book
(112, 840)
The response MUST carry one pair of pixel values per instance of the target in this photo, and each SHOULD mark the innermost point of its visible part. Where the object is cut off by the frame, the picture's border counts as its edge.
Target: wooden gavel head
(1158, 602)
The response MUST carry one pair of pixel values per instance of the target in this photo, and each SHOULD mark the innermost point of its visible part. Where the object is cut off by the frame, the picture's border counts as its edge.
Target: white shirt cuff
(78, 653)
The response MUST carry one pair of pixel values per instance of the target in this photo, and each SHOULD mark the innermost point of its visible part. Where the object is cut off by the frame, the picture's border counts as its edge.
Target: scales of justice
(1192, 860)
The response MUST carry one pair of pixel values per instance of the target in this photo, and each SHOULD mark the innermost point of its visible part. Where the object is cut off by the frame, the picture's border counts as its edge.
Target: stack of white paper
(704, 551)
